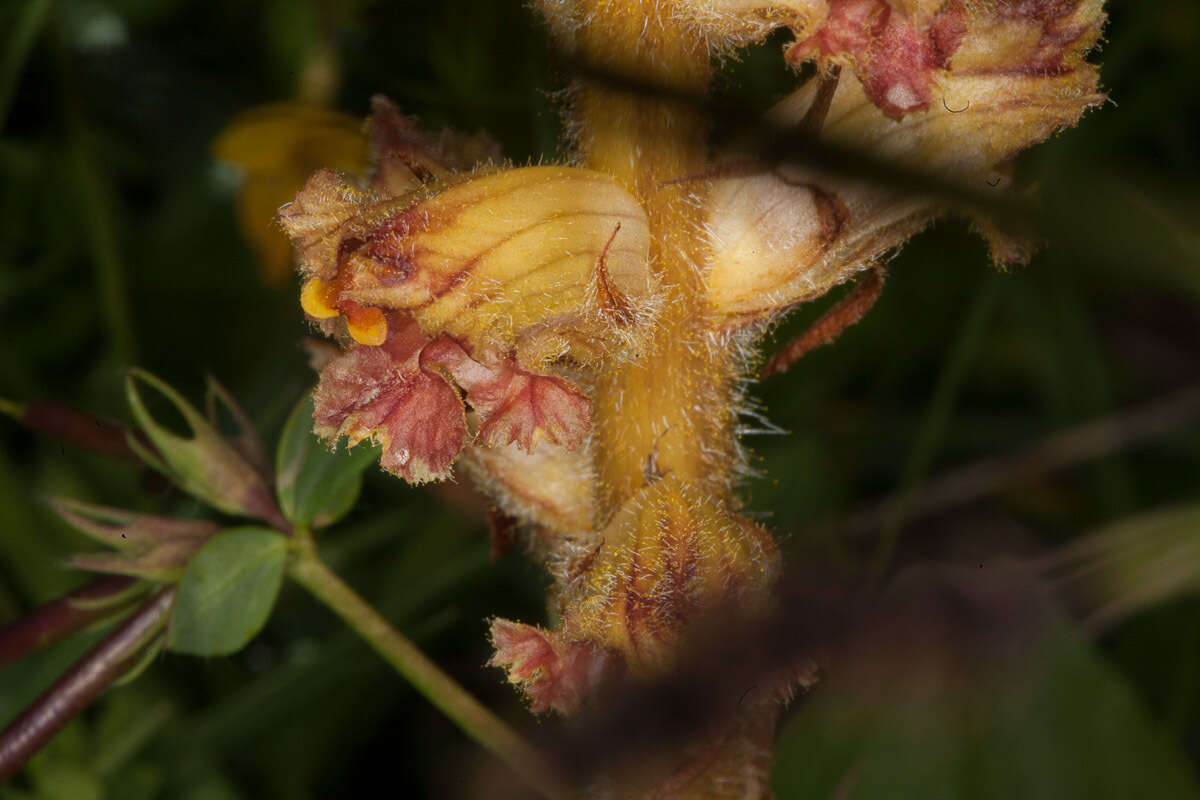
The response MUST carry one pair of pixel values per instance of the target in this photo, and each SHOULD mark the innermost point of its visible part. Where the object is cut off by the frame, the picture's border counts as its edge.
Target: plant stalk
(60, 618)
(475, 719)
(82, 684)
(671, 410)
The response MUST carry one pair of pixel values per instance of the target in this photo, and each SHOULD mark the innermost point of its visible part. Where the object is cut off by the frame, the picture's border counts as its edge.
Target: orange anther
(367, 325)
(317, 299)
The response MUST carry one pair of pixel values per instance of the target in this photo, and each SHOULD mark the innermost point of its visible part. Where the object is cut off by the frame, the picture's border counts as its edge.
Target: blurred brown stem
(61, 617)
(846, 312)
(76, 428)
(1059, 451)
(81, 684)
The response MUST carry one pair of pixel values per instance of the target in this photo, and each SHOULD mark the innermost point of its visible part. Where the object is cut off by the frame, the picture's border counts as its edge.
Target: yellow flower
(474, 286)
(277, 147)
(578, 331)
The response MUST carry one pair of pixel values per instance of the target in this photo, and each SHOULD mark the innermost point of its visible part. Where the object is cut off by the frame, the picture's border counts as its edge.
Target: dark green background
(118, 246)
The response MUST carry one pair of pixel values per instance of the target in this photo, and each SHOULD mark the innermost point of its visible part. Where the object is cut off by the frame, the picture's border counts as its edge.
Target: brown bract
(669, 554)
(665, 559)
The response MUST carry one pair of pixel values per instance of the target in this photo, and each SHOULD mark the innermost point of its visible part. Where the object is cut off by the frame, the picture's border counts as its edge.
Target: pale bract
(964, 88)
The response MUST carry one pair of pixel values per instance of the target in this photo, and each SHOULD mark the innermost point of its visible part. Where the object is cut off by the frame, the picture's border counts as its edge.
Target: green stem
(97, 204)
(426, 677)
(27, 25)
(937, 415)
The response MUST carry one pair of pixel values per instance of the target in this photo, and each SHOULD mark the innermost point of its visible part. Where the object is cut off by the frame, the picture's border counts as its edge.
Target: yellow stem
(672, 409)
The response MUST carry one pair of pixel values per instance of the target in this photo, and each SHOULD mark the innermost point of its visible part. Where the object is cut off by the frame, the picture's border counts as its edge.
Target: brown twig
(81, 684)
(814, 118)
(845, 313)
(1061, 450)
(61, 617)
(74, 427)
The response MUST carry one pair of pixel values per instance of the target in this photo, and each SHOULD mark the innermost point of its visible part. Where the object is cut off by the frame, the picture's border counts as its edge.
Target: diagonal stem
(62, 617)
(20, 39)
(475, 719)
(81, 684)
(933, 425)
(846, 312)
(97, 205)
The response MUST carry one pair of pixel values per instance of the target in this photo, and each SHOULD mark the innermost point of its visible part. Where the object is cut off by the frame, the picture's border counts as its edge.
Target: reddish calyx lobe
(1061, 29)
(553, 673)
(515, 405)
(895, 56)
(404, 394)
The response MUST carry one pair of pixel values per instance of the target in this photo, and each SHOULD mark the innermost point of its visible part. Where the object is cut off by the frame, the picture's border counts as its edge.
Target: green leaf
(227, 592)
(316, 485)
(979, 688)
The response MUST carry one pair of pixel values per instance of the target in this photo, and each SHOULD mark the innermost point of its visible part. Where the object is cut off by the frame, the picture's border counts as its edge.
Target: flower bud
(151, 547)
(953, 89)
(668, 556)
(206, 464)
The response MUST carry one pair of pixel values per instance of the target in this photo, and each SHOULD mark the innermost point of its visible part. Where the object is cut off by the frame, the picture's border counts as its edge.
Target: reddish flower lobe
(402, 393)
(515, 405)
(553, 673)
(382, 392)
(895, 56)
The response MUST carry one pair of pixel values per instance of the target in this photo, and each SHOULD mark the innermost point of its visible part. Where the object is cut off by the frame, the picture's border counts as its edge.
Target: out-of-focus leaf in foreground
(1136, 563)
(984, 691)
(277, 146)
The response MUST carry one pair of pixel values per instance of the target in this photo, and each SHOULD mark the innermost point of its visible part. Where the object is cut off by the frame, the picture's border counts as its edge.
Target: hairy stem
(426, 677)
(673, 407)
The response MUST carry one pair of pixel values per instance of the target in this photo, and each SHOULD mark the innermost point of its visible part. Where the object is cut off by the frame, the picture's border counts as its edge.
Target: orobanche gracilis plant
(576, 337)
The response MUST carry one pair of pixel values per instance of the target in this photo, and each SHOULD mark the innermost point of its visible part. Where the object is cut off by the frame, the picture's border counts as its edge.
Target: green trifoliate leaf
(227, 592)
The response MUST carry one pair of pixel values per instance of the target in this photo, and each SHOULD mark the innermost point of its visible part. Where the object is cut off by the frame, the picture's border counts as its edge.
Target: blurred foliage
(120, 245)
